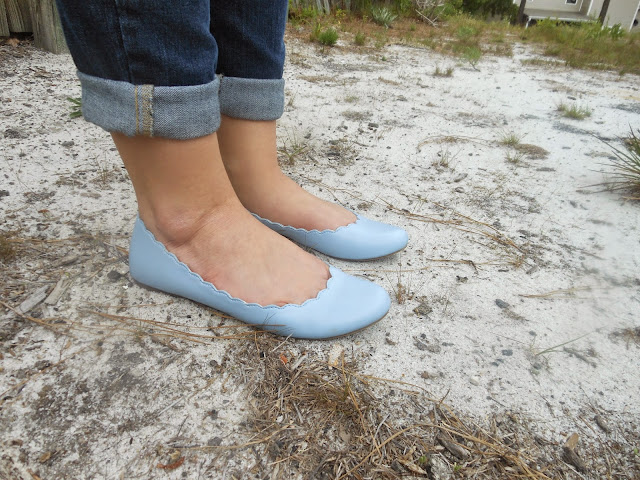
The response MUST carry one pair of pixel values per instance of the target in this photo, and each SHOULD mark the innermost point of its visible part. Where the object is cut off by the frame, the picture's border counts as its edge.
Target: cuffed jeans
(169, 69)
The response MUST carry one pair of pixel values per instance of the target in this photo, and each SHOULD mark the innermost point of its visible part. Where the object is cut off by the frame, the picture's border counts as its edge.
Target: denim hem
(180, 112)
(252, 98)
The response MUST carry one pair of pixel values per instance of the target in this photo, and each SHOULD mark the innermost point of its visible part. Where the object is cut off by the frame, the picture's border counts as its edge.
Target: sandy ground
(519, 291)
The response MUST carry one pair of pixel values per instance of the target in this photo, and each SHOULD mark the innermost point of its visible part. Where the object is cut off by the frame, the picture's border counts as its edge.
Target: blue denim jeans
(169, 69)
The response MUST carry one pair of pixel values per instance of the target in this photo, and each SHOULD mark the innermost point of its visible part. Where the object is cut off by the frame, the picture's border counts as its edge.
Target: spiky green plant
(510, 139)
(383, 16)
(76, 107)
(625, 167)
(574, 111)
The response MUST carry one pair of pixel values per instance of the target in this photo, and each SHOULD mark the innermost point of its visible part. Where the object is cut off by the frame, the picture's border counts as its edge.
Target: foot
(278, 198)
(231, 249)
(250, 158)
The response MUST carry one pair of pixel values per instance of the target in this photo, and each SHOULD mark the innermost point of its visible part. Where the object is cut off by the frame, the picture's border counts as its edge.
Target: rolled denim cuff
(171, 112)
(251, 98)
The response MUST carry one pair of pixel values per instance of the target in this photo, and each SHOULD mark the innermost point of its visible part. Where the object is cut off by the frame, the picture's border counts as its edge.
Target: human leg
(184, 195)
(185, 199)
(251, 100)
(251, 38)
(192, 230)
(252, 166)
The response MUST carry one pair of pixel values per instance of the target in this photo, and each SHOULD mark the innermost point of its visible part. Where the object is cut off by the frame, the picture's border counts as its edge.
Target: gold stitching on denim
(147, 110)
(135, 96)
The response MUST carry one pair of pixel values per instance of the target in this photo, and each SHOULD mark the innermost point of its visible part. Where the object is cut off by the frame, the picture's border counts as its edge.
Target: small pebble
(423, 310)
(501, 303)
(214, 442)
(460, 177)
(474, 381)
(114, 275)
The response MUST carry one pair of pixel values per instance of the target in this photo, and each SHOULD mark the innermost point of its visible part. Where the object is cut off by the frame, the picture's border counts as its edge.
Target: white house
(626, 13)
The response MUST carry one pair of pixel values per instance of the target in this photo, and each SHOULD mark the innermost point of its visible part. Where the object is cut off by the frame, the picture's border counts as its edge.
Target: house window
(572, 2)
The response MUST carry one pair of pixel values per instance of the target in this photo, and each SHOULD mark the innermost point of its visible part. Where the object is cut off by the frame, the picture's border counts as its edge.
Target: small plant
(383, 16)
(381, 40)
(431, 11)
(510, 139)
(625, 168)
(76, 107)
(465, 32)
(328, 37)
(514, 157)
(472, 55)
(7, 251)
(351, 99)
(574, 111)
(292, 149)
(360, 39)
(341, 14)
(444, 159)
(448, 72)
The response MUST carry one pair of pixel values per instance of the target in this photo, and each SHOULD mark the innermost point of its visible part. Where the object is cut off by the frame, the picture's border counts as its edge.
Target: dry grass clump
(532, 151)
(575, 112)
(629, 335)
(445, 72)
(510, 139)
(7, 250)
(328, 421)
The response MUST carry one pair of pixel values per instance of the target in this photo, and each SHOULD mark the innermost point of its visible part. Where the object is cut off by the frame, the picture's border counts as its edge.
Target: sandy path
(514, 294)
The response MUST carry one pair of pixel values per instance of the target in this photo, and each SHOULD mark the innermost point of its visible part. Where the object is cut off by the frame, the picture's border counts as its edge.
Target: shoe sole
(350, 259)
(253, 326)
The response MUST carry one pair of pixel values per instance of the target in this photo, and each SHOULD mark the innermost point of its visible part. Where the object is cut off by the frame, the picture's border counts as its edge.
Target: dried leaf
(572, 458)
(171, 466)
(412, 467)
(572, 441)
(44, 457)
(455, 449)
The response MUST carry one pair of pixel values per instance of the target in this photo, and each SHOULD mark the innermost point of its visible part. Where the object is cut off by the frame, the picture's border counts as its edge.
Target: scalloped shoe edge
(346, 305)
(362, 240)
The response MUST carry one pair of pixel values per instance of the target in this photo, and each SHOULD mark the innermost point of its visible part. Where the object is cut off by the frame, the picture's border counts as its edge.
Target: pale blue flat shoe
(362, 240)
(346, 305)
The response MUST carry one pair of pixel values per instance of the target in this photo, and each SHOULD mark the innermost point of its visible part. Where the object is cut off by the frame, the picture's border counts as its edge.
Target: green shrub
(465, 32)
(484, 8)
(587, 44)
(328, 37)
(360, 39)
(403, 6)
(383, 16)
(450, 8)
(472, 55)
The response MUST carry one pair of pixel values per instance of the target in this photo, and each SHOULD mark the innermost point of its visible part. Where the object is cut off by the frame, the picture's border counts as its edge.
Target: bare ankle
(175, 226)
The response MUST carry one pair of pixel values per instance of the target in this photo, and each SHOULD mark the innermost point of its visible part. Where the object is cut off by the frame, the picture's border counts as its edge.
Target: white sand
(372, 124)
